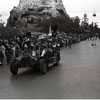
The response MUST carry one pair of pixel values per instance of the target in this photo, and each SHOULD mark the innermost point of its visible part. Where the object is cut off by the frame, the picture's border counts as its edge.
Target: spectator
(3, 50)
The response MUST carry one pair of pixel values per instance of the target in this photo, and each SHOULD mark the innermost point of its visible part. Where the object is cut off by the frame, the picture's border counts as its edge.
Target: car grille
(26, 60)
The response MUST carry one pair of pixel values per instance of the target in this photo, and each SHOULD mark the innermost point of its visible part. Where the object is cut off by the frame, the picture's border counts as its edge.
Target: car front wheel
(14, 67)
(57, 59)
(43, 66)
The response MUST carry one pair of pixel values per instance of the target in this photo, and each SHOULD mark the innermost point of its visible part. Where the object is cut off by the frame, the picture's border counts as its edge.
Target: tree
(77, 21)
(76, 24)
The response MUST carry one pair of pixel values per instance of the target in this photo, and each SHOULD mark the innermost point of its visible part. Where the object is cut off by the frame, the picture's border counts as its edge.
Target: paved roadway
(77, 77)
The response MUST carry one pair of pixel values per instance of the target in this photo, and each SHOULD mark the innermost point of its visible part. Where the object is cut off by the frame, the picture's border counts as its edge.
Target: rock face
(33, 13)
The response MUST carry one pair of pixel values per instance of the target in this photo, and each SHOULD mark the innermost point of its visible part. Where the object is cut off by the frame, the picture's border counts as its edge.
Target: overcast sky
(73, 8)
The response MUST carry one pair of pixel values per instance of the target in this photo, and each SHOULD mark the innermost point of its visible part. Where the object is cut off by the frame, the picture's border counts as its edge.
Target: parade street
(76, 77)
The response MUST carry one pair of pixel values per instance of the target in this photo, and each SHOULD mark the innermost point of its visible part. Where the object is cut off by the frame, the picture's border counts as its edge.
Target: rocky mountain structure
(36, 14)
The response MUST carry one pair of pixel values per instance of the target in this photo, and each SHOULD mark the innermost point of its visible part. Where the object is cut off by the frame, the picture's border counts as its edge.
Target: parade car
(44, 55)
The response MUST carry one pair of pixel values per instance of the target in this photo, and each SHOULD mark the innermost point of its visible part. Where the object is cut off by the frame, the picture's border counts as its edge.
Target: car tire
(57, 59)
(43, 66)
(14, 67)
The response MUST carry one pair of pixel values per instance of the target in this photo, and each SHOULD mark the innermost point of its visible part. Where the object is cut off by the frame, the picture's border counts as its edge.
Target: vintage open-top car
(45, 54)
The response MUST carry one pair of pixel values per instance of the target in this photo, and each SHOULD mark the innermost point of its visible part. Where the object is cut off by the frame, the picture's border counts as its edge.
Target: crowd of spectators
(9, 49)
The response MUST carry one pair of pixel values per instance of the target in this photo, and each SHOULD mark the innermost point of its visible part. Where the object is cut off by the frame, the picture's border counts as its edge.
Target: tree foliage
(8, 33)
